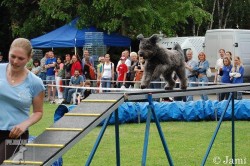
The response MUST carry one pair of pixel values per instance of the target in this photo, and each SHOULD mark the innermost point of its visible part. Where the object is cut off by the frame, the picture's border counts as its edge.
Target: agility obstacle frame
(111, 104)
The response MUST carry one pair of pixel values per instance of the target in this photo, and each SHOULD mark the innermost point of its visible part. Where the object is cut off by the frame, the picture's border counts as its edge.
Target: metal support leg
(233, 131)
(216, 131)
(145, 147)
(98, 140)
(117, 138)
(164, 142)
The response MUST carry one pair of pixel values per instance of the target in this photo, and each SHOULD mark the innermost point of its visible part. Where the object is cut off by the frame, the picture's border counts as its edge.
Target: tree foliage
(31, 18)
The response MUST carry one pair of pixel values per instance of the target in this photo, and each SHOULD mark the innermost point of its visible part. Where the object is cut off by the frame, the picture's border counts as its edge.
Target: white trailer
(195, 43)
(236, 41)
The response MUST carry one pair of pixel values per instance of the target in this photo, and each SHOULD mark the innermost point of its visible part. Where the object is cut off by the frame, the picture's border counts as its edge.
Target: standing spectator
(1, 58)
(229, 54)
(201, 68)
(89, 70)
(122, 72)
(50, 76)
(139, 69)
(59, 73)
(76, 65)
(29, 65)
(20, 90)
(218, 66)
(101, 61)
(42, 64)
(236, 74)
(67, 69)
(36, 69)
(134, 62)
(224, 73)
(86, 54)
(77, 81)
(125, 54)
(190, 73)
(107, 75)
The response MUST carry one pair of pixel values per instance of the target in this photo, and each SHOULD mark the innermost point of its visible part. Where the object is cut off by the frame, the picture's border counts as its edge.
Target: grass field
(187, 142)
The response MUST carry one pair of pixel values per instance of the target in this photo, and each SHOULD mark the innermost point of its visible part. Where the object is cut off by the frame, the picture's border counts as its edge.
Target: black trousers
(9, 146)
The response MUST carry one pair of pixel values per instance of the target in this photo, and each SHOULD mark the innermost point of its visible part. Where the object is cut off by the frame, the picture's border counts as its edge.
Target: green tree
(26, 18)
(126, 16)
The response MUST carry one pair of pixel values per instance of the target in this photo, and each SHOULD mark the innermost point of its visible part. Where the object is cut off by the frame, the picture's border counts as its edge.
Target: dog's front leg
(147, 75)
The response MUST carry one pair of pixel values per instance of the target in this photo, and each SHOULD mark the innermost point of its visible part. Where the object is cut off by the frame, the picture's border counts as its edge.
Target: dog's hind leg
(180, 72)
(171, 82)
(157, 72)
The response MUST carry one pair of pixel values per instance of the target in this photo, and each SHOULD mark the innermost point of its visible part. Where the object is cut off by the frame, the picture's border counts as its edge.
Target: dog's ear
(140, 37)
(154, 38)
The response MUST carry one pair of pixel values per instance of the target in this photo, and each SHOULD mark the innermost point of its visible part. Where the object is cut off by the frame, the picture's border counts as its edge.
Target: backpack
(92, 73)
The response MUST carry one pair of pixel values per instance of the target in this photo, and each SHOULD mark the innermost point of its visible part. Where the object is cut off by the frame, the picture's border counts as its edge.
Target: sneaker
(52, 102)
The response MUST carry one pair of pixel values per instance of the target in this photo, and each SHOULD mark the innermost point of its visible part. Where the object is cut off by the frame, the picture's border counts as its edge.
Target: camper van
(236, 41)
(195, 43)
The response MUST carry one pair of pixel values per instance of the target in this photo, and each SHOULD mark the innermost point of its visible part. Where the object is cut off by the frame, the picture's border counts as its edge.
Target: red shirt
(77, 65)
(122, 69)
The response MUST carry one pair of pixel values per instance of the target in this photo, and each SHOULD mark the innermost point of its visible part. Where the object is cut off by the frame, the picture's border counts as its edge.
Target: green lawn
(187, 142)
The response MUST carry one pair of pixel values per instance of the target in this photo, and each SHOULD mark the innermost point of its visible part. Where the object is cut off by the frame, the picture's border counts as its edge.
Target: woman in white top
(107, 75)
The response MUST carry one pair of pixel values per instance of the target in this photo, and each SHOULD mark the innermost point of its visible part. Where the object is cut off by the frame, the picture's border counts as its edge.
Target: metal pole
(233, 131)
(117, 137)
(164, 142)
(145, 147)
(146, 136)
(98, 140)
(216, 131)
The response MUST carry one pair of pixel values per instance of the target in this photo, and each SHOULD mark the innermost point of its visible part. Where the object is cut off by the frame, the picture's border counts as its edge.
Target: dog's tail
(177, 47)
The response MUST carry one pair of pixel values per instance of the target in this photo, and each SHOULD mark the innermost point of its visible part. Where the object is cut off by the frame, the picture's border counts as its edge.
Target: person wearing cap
(125, 54)
(43, 69)
(101, 61)
(122, 72)
(1, 58)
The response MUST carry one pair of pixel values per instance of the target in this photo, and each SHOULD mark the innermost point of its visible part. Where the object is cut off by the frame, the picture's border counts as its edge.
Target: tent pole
(75, 46)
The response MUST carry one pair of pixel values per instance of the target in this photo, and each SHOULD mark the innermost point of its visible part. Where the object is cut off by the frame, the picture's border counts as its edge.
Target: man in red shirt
(122, 70)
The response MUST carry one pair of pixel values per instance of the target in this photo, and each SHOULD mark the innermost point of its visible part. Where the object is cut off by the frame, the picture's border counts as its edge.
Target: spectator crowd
(227, 71)
(59, 73)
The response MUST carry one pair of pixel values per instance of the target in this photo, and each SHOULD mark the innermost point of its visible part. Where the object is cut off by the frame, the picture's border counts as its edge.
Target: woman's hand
(18, 130)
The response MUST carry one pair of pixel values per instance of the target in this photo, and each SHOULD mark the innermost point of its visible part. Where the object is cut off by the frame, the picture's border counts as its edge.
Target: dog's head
(147, 46)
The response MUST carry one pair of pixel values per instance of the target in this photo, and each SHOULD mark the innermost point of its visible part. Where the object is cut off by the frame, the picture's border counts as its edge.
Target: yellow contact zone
(80, 114)
(64, 129)
(45, 145)
(99, 101)
(23, 162)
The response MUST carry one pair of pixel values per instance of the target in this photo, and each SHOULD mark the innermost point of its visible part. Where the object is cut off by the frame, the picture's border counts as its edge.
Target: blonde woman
(236, 74)
(201, 68)
(134, 62)
(20, 89)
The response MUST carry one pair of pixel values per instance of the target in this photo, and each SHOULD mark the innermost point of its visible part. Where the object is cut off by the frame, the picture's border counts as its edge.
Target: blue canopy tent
(70, 36)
